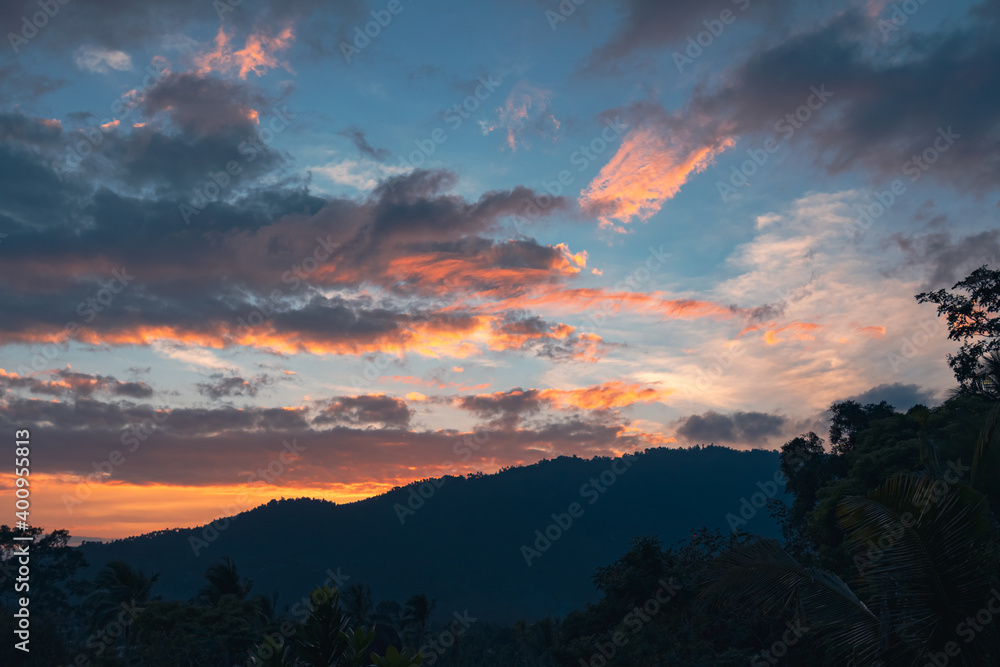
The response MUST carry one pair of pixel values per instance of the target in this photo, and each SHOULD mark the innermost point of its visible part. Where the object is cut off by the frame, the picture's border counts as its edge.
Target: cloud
(516, 401)
(655, 24)
(99, 60)
(65, 382)
(368, 409)
(948, 260)
(898, 395)
(197, 357)
(18, 85)
(525, 113)
(224, 387)
(360, 141)
(359, 174)
(819, 323)
(889, 102)
(201, 105)
(657, 157)
(118, 25)
(602, 303)
(354, 440)
(747, 428)
(258, 55)
(793, 330)
(558, 342)
(606, 396)
(253, 250)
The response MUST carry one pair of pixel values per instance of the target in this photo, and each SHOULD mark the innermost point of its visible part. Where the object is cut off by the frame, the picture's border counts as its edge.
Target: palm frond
(763, 574)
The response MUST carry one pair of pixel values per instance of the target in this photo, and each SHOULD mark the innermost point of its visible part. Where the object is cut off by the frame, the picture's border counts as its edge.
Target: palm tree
(119, 592)
(357, 600)
(321, 640)
(224, 579)
(416, 615)
(926, 559)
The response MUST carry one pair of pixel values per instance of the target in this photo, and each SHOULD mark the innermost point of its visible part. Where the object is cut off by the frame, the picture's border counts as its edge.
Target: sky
(268, 249)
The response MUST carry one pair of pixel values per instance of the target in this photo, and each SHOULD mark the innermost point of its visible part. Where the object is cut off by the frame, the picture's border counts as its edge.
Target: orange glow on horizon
(114, 509)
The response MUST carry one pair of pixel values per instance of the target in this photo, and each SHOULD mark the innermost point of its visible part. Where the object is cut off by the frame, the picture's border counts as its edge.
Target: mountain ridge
(521, 543)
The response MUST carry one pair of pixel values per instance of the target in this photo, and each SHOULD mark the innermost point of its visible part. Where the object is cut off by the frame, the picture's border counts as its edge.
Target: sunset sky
(235, 236)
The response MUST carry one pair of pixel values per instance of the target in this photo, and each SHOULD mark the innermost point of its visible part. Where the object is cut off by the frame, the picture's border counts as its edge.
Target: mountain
(467, 541)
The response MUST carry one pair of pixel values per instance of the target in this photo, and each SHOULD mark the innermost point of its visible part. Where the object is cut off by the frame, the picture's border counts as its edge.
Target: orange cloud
(457, 337)
(613, 394)
(450, 271)
(651, 438)
(797, 330)
(258, 55)
(873, 331)
(608, 302)
(644, 173)
(409, 379)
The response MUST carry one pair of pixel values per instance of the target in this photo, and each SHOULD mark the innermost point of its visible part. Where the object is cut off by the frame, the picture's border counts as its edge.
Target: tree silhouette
(416, 615)
(918, 577)
(972, 314)
(224, 579)
(119, 590)
(358, 603)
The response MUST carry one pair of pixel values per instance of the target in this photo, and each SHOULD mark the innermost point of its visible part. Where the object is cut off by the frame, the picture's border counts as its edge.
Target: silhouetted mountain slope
(463, 546)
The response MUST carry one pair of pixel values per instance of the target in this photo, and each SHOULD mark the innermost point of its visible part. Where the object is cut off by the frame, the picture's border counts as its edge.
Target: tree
(647, 614)
(53, 564)
(850, 418)
(171, 632)
(358, 603)
(224, 579)
(320, 641)
(416, 615)
(326, 639)
(972, 314)
(806, 468)
(119, 594)
(918, 575)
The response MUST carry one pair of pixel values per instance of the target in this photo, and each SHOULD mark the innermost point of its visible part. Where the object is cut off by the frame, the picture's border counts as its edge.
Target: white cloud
(99, 60)
(195, 356)
(834, 319)
(361, 174)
